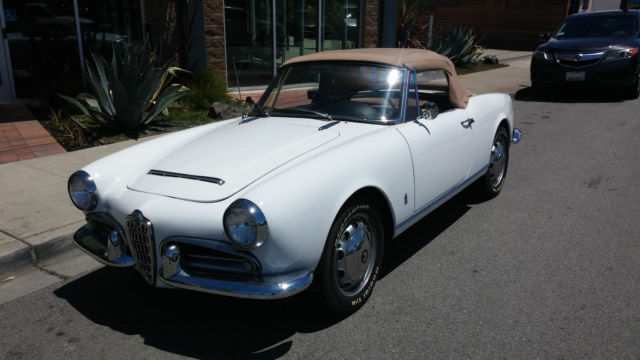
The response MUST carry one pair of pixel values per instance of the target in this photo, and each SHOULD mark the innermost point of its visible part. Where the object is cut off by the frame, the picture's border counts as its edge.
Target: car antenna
(235, 71)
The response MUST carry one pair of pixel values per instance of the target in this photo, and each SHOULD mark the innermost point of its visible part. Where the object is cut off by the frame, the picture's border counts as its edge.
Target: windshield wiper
(299, 110)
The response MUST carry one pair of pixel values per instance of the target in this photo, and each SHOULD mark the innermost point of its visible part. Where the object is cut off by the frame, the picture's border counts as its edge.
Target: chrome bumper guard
(216, 267)
(517, 136)
(103, 239)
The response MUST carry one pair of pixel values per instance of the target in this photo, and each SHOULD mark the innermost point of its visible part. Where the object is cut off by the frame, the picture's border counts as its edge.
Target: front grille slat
(141, 241)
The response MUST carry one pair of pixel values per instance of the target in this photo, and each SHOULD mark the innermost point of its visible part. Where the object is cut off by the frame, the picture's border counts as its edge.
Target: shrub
(130, 91)
(207, 87)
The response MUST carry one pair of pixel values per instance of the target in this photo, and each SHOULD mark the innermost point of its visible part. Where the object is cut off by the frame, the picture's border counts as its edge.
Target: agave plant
(459, 44)
(130, 91)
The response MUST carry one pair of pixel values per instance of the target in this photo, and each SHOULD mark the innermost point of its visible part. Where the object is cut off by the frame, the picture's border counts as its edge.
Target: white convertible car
(344, 151)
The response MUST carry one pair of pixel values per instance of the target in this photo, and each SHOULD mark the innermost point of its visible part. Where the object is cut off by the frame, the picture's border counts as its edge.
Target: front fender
(302, 201)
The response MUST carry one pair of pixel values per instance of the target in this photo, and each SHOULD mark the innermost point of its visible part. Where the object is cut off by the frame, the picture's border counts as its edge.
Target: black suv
(599, 48)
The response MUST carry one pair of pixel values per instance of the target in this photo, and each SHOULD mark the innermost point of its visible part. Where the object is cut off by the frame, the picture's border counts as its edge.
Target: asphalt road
(550, 269)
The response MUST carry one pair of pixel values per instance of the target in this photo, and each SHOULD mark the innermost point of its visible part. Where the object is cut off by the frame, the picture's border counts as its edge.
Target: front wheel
(490, 184)
(633, 90)
(352, 257)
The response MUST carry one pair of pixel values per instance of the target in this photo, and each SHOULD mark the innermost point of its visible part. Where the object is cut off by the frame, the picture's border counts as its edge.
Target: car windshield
(336, 91)
(598, 26)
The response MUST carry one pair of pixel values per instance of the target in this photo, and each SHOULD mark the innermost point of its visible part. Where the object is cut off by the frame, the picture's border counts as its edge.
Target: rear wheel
(490, 184)
(352, 257)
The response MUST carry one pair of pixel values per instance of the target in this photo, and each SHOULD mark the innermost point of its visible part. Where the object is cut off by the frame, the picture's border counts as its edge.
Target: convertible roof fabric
(418, 59)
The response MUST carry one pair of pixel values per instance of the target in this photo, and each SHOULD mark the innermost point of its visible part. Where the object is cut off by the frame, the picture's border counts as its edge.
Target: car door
(441, 153)
(441, 143)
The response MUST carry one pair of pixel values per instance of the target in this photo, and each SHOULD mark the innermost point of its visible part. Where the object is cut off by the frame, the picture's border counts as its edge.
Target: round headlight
(245, 224)
(83, 191)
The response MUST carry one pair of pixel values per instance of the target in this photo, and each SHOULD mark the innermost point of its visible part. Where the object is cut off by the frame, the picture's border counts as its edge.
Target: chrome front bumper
(196, 264)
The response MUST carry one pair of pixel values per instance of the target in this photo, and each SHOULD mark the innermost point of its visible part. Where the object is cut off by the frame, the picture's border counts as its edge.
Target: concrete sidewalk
(37, 219)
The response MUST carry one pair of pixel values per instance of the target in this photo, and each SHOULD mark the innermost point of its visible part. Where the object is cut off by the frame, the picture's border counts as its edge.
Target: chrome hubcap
(355, 253)
(496, 166)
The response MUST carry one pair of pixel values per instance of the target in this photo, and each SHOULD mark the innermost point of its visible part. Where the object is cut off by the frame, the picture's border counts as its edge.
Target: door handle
(467, 123)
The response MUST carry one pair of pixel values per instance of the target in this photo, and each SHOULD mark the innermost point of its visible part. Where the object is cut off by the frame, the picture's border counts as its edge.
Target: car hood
(224, 160)
(586, 44)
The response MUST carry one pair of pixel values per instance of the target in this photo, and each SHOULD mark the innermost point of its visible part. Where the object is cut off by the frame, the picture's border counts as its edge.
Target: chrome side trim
(442, 198)
(517, 136)
(267, 287)
(209, 179)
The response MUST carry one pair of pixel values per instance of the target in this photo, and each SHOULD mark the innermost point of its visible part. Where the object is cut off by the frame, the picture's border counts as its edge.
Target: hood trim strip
(208, 179)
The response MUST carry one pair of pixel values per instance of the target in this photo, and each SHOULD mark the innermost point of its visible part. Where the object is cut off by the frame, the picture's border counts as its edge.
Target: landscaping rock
(221, 110)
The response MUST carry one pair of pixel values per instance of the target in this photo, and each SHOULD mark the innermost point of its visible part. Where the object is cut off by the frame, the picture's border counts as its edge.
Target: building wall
(370, 23)
(505, 24)
(214, 34)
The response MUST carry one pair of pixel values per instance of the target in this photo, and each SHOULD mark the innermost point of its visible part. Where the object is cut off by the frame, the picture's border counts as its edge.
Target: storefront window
(42, 44)
(43, 40)
(297, 28)
(105, 23)
(251, 34)
(249, 38)
(341, 28)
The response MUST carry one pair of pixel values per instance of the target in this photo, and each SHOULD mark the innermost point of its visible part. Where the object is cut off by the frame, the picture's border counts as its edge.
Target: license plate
(575, 76)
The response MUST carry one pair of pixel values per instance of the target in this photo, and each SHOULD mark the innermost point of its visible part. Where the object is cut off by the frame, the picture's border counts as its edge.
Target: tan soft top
(417, 59)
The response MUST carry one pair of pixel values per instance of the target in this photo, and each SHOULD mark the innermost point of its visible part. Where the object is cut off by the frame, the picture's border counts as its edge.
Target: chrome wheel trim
(497, 163)
(355, 254)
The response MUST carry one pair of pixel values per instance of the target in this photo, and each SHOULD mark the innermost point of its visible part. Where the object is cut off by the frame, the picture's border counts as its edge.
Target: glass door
(6, 81)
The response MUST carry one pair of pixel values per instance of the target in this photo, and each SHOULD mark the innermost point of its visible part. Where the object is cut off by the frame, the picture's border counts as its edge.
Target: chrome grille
(140, 237)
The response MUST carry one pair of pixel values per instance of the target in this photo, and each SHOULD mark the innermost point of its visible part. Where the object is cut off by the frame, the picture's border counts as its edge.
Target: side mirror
(544, 36)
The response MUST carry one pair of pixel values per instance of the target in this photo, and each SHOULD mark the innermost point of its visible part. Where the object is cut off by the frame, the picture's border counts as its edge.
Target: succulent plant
(458, 44)
(130, 91)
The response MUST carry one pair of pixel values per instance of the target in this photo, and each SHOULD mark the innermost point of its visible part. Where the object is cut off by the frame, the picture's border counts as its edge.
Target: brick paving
(22, 137)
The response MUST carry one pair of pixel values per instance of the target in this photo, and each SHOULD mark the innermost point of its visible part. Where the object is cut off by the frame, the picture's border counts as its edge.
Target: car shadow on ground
(193, 324)
(203, 325)
(422, 233)
(572, 95)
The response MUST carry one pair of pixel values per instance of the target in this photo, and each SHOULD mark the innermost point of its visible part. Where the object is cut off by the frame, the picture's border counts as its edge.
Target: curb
(34, 254)
(516, 58)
